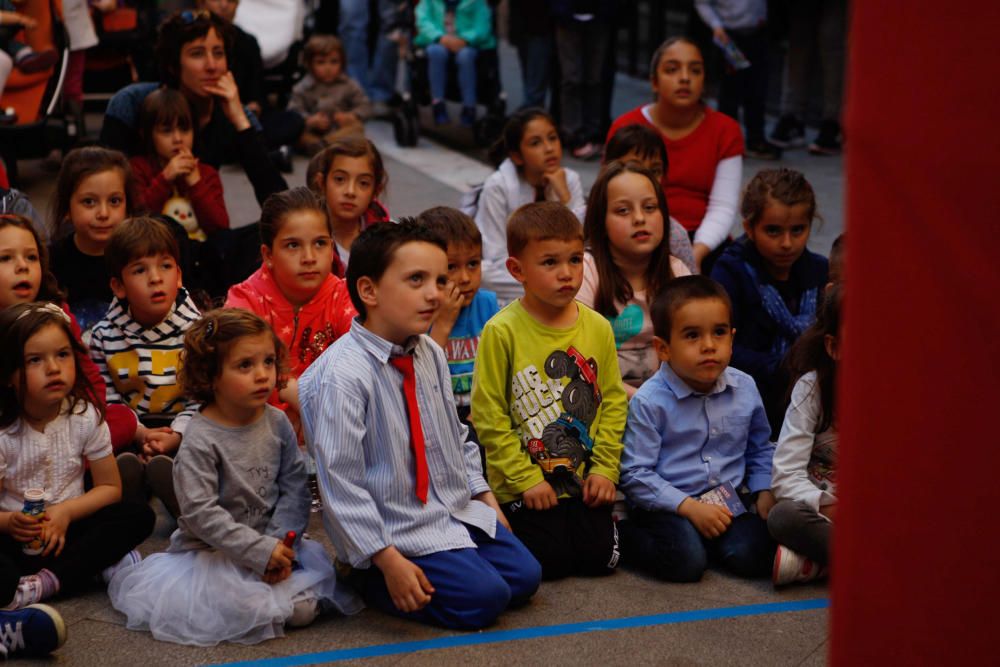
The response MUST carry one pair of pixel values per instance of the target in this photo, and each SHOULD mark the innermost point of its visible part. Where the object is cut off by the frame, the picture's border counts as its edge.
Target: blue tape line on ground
(536, 632)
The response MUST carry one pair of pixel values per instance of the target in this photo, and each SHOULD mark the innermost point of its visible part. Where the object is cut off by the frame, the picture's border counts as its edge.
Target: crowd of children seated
(547, 388)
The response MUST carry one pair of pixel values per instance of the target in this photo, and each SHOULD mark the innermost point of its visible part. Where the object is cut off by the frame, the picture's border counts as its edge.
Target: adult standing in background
(702, 181)
(378, 79)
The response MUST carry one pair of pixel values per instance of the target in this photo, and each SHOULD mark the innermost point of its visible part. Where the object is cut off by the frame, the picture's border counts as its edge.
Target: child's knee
(524, 580)
(483, 601)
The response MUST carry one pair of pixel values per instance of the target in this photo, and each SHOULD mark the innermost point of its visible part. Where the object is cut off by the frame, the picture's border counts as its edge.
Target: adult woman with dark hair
(702, 182)
(192, 55)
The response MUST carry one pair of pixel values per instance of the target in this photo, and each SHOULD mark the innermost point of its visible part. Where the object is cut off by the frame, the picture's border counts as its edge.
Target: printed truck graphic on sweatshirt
(555, 418)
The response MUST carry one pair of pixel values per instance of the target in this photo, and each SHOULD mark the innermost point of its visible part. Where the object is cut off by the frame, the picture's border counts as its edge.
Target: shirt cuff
(759, 482)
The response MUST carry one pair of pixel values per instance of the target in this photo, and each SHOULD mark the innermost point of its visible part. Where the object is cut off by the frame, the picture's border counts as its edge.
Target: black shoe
(282, 159)
(827, 142)
(762, 150)
(789, 132)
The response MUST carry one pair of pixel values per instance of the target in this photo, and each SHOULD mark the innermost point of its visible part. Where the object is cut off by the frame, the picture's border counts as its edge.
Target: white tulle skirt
(204, 598)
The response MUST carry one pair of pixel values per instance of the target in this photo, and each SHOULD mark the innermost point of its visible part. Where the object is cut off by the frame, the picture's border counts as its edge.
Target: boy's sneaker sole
(34, 631)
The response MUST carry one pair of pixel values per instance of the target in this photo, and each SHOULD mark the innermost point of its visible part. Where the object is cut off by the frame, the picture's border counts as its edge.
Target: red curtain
(916, 557)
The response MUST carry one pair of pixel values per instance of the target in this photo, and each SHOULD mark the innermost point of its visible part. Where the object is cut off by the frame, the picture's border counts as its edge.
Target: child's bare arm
(106, 491)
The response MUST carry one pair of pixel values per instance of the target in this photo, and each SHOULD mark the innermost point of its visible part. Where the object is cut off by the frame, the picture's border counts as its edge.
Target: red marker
(289, 539)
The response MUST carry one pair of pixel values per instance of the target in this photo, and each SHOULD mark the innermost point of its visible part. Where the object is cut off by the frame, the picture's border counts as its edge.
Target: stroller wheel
(404, 128)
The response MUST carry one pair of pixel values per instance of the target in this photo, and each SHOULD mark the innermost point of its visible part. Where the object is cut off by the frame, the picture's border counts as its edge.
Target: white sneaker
(790, 568)
(305, 609)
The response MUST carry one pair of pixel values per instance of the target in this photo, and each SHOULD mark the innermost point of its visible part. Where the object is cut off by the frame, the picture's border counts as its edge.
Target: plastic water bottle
(34, 505)
(733, 55)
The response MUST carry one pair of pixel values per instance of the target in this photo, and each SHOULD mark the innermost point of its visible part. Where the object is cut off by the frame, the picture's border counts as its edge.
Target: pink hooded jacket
(306, 331)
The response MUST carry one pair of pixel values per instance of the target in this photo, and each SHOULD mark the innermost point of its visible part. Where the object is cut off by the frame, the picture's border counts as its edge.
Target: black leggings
(92, 544)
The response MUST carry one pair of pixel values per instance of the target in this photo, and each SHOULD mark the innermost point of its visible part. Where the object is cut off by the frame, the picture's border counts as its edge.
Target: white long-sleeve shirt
(503, 193)
(805, 462)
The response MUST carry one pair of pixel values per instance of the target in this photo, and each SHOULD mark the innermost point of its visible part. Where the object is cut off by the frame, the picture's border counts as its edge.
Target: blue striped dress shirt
(356, 425)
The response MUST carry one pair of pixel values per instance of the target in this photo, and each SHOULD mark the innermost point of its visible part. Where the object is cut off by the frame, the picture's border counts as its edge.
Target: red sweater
(306, 331)
(692, 161)
(205, 197)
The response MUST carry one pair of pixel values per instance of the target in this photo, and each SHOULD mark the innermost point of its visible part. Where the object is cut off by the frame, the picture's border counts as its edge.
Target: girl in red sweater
(170, 179)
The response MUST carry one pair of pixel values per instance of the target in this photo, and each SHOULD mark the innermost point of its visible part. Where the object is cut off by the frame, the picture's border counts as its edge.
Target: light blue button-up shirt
(354, 413)
(680, 443)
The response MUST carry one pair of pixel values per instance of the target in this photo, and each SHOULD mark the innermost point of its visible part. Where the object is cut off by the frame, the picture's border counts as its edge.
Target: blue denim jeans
(378, 80)
(669, 547)
(437, 71)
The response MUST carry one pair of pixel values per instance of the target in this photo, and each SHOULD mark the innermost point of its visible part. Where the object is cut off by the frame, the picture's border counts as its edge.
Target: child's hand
(540, 497)
(279, 565)
(453, 43)
(105, 6)
(179, 165)
(193, 175)
(720, 35)
(765, 501)
(451, 304)
(160, 441)
(318, 121)
(598, 490)
(555, 181)
(408, 586)
(346, 119)
(709, 520)
(829, 511)
(24, 528)
(54, 528)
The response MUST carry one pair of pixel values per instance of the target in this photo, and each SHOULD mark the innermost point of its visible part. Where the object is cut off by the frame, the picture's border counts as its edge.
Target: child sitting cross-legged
(137, 348)
(696, 433)
(548, 401)
(405, 502)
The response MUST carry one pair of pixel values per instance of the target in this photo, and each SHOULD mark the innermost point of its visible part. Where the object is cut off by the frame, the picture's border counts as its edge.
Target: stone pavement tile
(95, 643)
(819, 657)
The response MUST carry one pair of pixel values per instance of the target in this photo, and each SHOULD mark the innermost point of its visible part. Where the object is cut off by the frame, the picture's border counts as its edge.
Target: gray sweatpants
(802, 529)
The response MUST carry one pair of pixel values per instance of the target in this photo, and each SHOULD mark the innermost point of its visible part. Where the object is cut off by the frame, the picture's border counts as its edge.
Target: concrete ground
(623, 619)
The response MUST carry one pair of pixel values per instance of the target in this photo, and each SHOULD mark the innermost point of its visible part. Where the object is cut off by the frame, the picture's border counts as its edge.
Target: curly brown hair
(209, 340)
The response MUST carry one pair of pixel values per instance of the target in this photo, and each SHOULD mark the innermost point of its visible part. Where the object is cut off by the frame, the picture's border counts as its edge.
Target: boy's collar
(379, 347)
(682, 389)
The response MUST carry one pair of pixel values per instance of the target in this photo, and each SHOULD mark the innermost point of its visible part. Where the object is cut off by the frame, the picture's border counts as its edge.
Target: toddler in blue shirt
(693, 427)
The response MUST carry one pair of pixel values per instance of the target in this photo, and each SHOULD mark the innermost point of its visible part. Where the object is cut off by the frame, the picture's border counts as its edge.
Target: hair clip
(48, 307)
(210, 330)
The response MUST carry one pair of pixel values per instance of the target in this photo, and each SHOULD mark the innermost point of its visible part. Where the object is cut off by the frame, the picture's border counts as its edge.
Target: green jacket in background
(473, 23)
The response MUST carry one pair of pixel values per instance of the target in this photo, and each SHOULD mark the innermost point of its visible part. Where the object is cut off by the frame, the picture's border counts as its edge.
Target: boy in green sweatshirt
(548, 401)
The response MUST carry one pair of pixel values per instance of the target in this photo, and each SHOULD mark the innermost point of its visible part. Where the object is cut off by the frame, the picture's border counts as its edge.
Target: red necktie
(404, 364)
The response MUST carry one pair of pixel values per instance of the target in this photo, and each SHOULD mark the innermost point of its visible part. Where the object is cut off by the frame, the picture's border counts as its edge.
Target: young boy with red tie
(405, 501)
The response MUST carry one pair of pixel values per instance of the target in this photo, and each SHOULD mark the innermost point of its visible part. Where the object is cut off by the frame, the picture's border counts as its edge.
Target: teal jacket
(473, 23)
